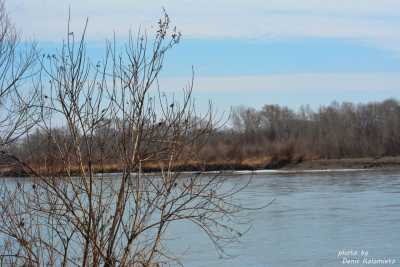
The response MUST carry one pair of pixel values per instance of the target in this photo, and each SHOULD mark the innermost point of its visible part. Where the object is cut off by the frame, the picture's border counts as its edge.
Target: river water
(316, 219)
(328, 218)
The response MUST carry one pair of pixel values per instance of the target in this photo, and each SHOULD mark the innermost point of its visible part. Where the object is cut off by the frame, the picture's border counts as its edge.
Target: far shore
(347, 163)
(269, 163)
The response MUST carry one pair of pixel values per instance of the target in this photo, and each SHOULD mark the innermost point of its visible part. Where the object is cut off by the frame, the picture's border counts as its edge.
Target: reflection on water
(313, 217)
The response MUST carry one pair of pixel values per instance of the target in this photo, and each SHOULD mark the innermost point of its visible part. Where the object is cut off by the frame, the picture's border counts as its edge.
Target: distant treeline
(340, 130)
(254, 137)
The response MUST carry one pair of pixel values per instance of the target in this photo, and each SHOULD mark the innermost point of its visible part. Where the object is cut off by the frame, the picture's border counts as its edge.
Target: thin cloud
(376, 22)
(337, 82)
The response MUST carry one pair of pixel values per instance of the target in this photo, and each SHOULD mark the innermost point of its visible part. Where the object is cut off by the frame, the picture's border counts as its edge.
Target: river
(316, 219)
(327, 218)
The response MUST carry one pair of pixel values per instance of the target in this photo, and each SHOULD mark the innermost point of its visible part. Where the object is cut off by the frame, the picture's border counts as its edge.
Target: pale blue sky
(289, 52)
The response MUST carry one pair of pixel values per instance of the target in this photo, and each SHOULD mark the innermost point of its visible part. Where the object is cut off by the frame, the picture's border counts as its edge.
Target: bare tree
(81, 216)
(16, 62)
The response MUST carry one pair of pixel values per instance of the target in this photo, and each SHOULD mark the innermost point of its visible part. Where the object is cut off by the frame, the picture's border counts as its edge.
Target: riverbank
(266, 163)
(348, 163)
(309, 164)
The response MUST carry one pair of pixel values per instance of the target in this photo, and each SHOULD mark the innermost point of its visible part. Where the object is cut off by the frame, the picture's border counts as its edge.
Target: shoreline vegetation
(341, 135)
(266, 163)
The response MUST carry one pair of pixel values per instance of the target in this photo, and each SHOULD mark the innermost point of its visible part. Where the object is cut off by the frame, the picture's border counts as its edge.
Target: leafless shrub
(16, 62)
(86, 218)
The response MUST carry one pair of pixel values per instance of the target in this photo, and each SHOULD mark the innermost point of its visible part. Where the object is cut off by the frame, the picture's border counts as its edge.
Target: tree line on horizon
(339, 130)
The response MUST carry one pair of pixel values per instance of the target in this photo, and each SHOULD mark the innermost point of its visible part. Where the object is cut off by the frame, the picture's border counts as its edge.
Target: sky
(251, 53)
